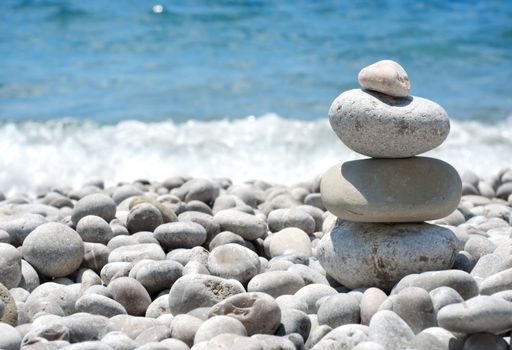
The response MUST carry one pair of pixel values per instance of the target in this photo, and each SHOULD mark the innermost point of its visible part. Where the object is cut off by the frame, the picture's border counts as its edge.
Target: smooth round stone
(159, 307)
(5, 237)
(415, 307)
(460, 281)
(343, 337)
(143, 217)
(443, 296)
(190, 292)
(294, 321)
(338, 310)
(94, 229)
(389, 330)
(206, 220)
(84, 327)
(10, 338)
(437, 338)
(18, 226)
(54, 249)
(370, 303)
(233, 261)
(379, 255)
(130, 294)
(99, 305)
(258, 312)
(198, 189)
(282, 218)
(391, 190)
(276, 283)
(491, 264)
(156, 275)
(289, 239)
(311, 293)
(115, 270)
(180, 235)
(153, 334)
(118, 341)
(219, 325)
(97, 204)
(387, 77)
(124, 192)
(381, 126)
(479, 246)
(481, 314)
(167, 214)
(248, 226)
(10, 266)
(184, 328)
(136, 252)
(498, 282)
(225, 237)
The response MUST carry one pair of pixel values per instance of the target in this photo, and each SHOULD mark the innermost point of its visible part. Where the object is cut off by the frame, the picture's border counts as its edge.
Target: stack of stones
(382, 202)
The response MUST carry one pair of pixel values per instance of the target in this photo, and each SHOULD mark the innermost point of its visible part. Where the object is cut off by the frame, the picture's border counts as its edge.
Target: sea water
(141, 89)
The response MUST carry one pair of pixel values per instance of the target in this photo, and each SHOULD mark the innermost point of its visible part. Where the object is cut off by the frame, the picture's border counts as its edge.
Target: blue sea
(150, 89)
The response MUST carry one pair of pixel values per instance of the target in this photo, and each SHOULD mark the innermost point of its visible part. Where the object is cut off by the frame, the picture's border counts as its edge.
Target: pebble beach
(173, 264)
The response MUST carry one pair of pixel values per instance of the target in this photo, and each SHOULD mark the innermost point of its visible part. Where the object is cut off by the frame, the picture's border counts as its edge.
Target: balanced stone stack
(382, 202)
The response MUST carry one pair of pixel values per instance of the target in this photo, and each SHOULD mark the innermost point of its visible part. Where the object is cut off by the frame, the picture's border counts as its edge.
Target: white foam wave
(35, 155)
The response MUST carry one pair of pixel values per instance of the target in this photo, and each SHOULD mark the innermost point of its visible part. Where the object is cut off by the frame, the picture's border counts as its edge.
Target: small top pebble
(387, 77)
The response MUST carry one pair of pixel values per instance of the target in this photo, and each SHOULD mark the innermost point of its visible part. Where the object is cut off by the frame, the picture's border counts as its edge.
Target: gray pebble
(94, 204)
(370, 303)
(10, 266)
(290, 239)
(233, 261)
(498, 282)
(137, 252)
(313, 292)
(479, 314)
(294, 217)
(461, 281)
(115, 270)
(180, 235)
(308, 274)
(258, 312)
(192, 291)
(132, 326)
(18, 226)
(53, 249)
(291, 302)
(225, 237)
(338, 310)
(414, 306)
(248, 226)
(118, 341)
(156, 275)
(194, 267)
(99, 305)
(94, 229)
(206, 220)
(389, 330)
(343, 337)
(131, 294)
(219, 325)
(443, 296)
(159, 307)
(184, 328)
(294, 321)
(479, 246)
(276, 283)
(143, 217)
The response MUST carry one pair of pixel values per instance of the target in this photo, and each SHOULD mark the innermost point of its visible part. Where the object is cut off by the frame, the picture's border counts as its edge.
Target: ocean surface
(150, 89)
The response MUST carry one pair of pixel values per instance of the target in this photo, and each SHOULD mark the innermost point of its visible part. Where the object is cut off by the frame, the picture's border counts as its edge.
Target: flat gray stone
(190, 292)
(379, 255)
(381, 126)
(136, 252)
(389, 330)
(338, 310)
(180, 235)
(276, 283)
(481, 314)
(248, 226)
(97, 204)
(258, 312)
(391, 190)
(219, 325)
(288, 240)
